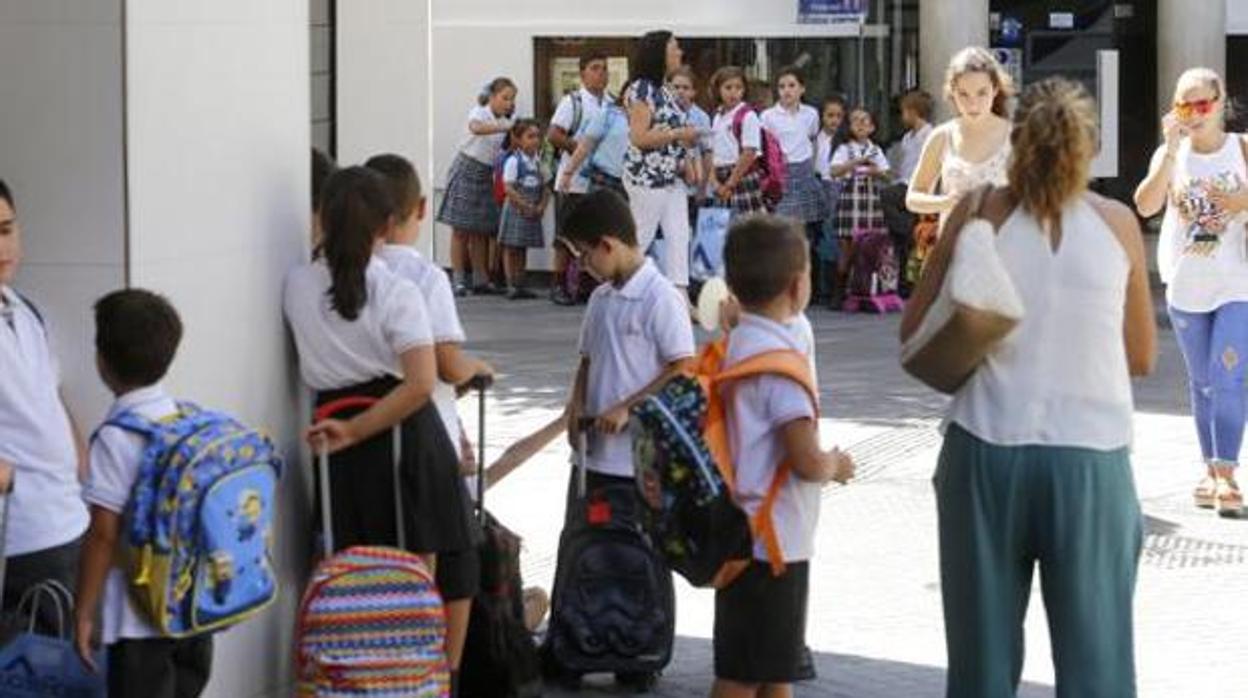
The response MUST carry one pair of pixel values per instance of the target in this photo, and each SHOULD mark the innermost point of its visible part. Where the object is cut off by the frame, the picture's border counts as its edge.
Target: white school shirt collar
(602, 101)
(637, 287)
(761, 326)
(137, 397)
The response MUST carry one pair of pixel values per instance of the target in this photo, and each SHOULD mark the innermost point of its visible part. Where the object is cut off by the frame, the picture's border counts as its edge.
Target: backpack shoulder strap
(578, 112)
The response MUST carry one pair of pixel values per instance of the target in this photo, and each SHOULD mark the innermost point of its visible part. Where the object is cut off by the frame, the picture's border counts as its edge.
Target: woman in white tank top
(1035, 468)
(972, 149)
(1199, 176)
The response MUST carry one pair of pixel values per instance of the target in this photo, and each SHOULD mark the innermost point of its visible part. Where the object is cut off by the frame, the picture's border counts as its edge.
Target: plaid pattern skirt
(804, 197)
(516, 230)
(469, 203)
(859, 207)
(748, 196)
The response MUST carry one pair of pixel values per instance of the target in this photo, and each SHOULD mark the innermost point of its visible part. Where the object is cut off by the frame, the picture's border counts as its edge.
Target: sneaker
(559, 296)
(461, 290)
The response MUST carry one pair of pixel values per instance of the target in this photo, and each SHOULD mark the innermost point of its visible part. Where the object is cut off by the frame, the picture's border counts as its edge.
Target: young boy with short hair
(136, 336)
(635, 337)
(760, 619)
(41, 453)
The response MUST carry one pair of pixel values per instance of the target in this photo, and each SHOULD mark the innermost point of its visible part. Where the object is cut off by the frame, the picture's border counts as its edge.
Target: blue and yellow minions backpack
(198, 529)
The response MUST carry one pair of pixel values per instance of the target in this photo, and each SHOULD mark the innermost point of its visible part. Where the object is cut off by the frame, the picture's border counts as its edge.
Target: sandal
(1206, 493)
(1230, 501)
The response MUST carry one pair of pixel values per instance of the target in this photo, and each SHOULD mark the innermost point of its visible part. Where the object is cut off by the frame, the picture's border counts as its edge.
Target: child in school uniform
(527, 195)
(796, 126)
(698, 161)
(40, 449)
(635, 337)
(458, 574)
(362, 330)
(735, 181)
(136, 336)
(760, 619)
(863, 169)
(831, 135)
(468, 206)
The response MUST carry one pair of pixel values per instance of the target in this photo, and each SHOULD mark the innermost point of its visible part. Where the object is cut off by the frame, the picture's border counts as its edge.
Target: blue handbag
(42, 666)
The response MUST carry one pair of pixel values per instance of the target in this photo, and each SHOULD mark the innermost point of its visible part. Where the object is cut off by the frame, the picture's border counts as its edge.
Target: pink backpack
(770, 161)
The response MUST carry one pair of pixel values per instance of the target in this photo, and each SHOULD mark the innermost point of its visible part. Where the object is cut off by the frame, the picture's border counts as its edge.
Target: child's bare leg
(776, 690)
(478, 247)
(723, 688)
(457, 614)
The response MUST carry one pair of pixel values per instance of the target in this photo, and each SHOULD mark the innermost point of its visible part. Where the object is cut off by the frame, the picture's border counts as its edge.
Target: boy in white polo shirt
(136, 336)
(38, 442)
(760, 619)
(635, 337)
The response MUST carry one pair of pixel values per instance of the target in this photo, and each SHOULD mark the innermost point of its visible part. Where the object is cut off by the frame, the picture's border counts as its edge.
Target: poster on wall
(565, 76)
(830, 11)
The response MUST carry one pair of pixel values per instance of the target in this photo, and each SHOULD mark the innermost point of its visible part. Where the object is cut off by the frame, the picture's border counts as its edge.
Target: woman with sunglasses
(1199, 176)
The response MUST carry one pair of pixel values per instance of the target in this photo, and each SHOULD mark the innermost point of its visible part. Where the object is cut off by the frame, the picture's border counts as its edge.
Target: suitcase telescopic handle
(327, 411)
(480, 383)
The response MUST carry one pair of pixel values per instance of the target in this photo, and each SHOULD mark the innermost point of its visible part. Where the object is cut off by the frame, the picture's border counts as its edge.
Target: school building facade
(164, 144)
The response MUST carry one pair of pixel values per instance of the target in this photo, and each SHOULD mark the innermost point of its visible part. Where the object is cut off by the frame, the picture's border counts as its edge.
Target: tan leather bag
(976, 308)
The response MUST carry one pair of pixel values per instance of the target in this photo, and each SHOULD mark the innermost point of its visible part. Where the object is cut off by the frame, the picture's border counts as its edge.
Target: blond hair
(975, 59)
(1204, 77)
(1054, 140)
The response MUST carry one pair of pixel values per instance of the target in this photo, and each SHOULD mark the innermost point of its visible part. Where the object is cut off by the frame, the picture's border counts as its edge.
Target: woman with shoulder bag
(1035, 468)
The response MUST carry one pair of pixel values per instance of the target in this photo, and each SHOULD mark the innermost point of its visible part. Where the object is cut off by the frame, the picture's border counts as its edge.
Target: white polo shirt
(630, 334)
(796, 130)
(565, 113)
(45, 509)
(758, 408)
(483, 149)
(724, 147)
(116, 455)
(337, 353)
(444, 323)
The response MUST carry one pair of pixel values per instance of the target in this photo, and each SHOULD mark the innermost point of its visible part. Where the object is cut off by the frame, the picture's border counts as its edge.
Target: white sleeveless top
(959, 176)
(1061, 377)
(1202, 254)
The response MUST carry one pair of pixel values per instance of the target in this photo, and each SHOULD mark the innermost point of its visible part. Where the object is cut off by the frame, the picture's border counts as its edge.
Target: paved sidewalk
(875, 611)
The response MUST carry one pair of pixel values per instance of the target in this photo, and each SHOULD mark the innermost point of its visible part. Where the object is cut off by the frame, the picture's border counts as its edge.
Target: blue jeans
(1215, 348)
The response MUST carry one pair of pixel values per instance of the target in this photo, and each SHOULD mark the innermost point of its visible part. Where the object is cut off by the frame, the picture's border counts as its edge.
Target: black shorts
(760, 626)
(459, 574)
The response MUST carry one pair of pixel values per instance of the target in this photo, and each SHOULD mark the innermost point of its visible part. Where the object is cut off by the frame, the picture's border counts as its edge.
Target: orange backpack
(685, 465)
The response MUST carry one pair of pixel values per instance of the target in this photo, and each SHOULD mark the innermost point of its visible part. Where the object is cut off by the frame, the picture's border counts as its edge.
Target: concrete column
(946, 27)
(1189, 35)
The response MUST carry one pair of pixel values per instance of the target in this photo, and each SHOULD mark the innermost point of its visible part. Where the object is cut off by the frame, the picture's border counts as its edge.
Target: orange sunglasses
(1200, 107)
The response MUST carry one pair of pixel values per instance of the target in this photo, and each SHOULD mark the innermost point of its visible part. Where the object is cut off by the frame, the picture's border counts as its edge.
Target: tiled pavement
(875, 614)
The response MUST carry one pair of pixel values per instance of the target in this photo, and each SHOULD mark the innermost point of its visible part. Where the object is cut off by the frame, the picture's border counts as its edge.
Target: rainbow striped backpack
(371, 623)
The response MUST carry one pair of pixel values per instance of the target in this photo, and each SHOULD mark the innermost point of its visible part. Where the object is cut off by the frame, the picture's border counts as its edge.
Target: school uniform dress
(141, 663)
(605, 166)
(630, 334)
(458, 573)
(46, 515)
(726, 147)
(524, 173)
(653, 181)
(575, 112)
(1035, 470)
(468, 203)
(345, 358)
(760, 619)
(859, 205)
(804, 197)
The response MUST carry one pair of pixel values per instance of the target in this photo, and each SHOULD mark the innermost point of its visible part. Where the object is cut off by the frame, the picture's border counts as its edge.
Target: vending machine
(1111, 47)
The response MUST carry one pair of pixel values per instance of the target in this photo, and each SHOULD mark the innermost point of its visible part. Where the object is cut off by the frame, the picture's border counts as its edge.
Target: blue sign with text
(831, 10)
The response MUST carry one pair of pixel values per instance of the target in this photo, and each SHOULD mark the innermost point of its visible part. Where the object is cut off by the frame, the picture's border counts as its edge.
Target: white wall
(1237, 16)
(218, 139)
(383, 76)
(60, 151)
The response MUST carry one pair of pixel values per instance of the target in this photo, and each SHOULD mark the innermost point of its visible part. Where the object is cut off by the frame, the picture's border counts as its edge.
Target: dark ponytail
(356, 209)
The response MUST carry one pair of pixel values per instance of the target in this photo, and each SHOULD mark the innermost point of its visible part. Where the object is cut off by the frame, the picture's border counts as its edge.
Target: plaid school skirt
(859, 207)
(748, 196)
(469, 203)
(517, 230)
(804, 197)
